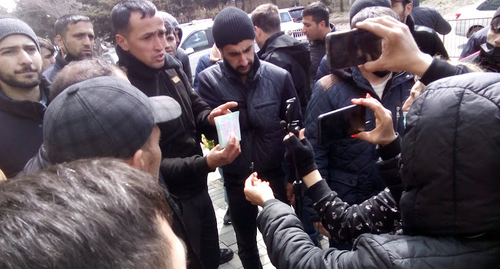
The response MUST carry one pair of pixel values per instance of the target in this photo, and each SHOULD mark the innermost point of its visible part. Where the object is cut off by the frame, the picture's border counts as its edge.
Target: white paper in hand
(227, 124)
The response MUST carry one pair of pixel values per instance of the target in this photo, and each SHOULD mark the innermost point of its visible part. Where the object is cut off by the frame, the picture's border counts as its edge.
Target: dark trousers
(243, 217)
(198, 216)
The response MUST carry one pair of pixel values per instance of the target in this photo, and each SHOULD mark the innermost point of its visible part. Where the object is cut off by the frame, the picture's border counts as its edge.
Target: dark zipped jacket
(431, 18)
(349, 165)
(262, 105)
(183, 167)
(21, 132)
(288, 53)
(54, 69)
(427, 39)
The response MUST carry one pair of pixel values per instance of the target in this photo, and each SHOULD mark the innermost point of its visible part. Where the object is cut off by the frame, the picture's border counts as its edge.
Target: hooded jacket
(288, 53)
(431, 18)
(450, 212)
(21, 130)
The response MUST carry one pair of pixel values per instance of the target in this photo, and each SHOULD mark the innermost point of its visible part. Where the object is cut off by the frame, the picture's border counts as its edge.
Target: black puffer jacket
(262, 105)
(288, 53)
(20, 130)
(431, 18)
(451, 174)
(451, 158)
(427, 39)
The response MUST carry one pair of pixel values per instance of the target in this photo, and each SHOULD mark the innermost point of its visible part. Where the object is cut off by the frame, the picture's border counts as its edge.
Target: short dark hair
(45, 43)
(120, 14)
(61, 25)
(78, 71)
(373, 12)
(93, 213)
(267, 18)
(319, 12)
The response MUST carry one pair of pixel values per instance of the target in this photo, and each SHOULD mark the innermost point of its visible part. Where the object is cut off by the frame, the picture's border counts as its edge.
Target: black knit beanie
(231, 26)
(13, 26)
(361, 4)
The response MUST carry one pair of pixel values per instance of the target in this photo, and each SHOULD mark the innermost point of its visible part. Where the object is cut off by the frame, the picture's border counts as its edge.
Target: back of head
(358, 5)
(78, 71)
(267, 18)
(319, 12)
(94, 213)
(62, 23)
(120, 14)
(373, 12)
(231, 26)
(451, 158)
(102, 117)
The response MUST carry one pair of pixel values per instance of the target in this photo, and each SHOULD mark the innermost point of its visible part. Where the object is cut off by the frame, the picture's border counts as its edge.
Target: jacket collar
(27, 109)
(268, 42)
(397, 78)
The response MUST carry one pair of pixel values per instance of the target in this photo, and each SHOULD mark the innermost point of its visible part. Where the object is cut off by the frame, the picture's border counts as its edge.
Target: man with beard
(23, 95)
(261, 90)
(75, 38)
(488, 57)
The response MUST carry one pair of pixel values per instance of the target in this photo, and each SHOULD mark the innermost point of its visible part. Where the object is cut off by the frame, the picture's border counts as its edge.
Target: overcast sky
(8, 4)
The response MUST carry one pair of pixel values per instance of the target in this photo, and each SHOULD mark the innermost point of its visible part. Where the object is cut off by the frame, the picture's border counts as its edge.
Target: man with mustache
(75, 38)
(23, 95)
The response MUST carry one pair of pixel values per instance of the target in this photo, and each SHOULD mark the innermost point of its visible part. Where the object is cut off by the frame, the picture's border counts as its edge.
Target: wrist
(312, 178)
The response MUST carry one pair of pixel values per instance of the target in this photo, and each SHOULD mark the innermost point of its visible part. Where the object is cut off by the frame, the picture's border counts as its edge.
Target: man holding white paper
(261, 90)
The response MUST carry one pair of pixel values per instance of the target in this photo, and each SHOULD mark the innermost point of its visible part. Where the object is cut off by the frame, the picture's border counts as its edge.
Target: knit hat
(361, 4)
(13, 26)
(495, 22)
(231, 26)
(102, 117)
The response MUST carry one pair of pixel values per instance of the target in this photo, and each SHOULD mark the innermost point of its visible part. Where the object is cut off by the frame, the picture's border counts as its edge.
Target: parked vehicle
(291, 22)
(197, 40)
(473, 18)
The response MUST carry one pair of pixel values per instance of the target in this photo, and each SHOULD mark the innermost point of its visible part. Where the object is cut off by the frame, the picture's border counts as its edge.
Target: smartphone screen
(352, 48)
(341, 123)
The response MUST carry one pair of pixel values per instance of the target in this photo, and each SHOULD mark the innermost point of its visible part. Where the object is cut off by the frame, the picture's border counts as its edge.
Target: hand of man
(289, 193)
(218, 157)
(383, 133)
(399, 50)
(221, 110)
(257, 192)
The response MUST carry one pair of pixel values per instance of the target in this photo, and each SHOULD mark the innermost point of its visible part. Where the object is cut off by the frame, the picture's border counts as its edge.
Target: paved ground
(227, 238)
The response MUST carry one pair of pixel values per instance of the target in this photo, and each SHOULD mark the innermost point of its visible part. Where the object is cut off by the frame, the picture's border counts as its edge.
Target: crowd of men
(101, 165)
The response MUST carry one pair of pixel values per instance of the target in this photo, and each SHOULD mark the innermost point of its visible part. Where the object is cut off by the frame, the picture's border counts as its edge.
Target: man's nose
(160, 43)
(25, 58)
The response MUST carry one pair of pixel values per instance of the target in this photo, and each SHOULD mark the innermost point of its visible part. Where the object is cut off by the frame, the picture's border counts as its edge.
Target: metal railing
(462, 29)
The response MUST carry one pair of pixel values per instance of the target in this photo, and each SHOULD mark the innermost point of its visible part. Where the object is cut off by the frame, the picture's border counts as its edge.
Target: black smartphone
(351, 48)
(341, 123)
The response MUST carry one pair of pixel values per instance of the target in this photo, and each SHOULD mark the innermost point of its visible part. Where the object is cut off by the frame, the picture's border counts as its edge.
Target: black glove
(300, 156)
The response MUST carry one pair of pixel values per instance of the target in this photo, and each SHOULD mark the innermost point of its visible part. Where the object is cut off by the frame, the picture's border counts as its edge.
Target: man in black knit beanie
(261, 90)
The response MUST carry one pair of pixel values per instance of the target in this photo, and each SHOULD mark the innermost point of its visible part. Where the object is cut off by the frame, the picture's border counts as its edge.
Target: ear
(59, 41)
(122, 42)
(322, 24)
(408, 9)
(136, 160)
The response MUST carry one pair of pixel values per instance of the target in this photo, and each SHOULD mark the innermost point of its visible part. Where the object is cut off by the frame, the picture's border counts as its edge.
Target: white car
(473, 18)
(291, 22)
(197, 40)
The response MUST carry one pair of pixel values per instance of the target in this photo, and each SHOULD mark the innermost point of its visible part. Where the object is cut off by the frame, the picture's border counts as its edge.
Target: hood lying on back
(451, 158)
